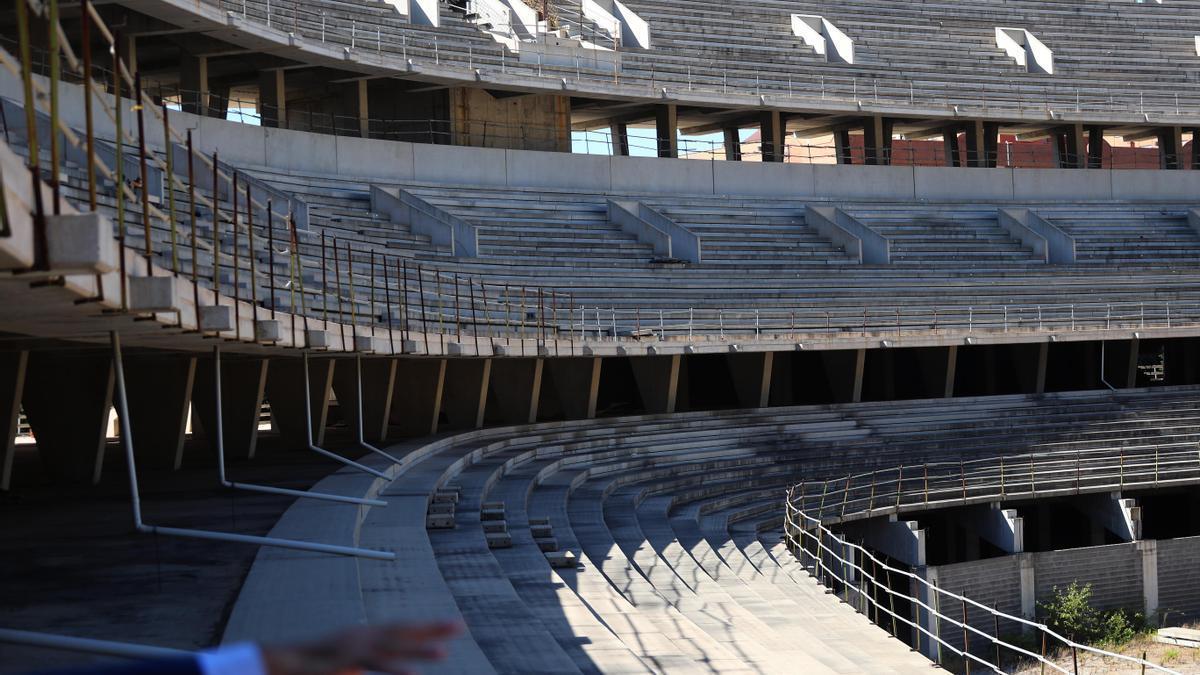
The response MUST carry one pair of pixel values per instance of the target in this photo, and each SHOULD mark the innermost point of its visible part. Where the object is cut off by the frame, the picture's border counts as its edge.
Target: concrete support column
(768, 375)
(951, 147)
(465, 398)
(877, 140)
(516, 389)
(657, 380)
(12, 384)
(129, 51)
(159, 391)
(1095, 147)
(1043, 357)
(1028, 583)
(272, 98)
(751, 375)
(378, 384)
(364, 110)
(982, 143)
(841, 144)
(666, 124)
(1072, 147)
(574, 384)
(733, 144)
(193, 80)
(1196, 148)
(1131, 374)
(619, 133)
(1170, 147)
(285, 391)
(1149, 551)
(860, 364)
(417, 395)
(243, 385)
(771, 129)
(951, 370)
(67, 401)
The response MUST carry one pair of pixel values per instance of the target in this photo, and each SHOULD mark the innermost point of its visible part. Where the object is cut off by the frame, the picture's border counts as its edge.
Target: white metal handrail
(831, 553)
(939, 484)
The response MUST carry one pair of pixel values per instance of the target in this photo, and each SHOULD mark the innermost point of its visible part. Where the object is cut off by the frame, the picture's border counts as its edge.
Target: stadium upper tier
(1111, 59)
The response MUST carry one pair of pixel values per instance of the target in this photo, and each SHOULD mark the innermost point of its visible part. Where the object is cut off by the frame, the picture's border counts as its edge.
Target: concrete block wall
(995, 582)
(1115, 573)
(1178, 578)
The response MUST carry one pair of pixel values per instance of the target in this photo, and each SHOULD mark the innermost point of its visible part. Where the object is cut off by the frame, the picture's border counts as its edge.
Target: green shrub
(1070, 613)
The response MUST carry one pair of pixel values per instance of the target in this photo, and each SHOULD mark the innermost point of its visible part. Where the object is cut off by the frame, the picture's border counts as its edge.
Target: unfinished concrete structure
(398, 326)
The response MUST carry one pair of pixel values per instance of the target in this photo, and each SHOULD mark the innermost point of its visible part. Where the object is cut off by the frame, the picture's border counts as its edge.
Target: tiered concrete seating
(751, 233)
(947, 257)
(674, 523)
(1134, 235)
(944, 235)
(1110, 55)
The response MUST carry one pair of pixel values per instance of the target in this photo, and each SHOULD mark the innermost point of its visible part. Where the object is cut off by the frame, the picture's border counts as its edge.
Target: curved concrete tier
(647, 544)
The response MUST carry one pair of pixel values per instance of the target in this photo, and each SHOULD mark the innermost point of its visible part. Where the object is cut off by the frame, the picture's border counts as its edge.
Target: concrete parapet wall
(1179, 577)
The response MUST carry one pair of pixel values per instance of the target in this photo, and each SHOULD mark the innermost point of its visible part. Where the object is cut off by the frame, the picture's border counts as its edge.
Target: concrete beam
(1002, 528)
(464, 400)
(657, 379)
(67, 401)
(417, 396)
(378, 385)
(902, 540)
(516, 388)
(1110, 512)
(159, 391)
(12, 383)
(243, 386)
